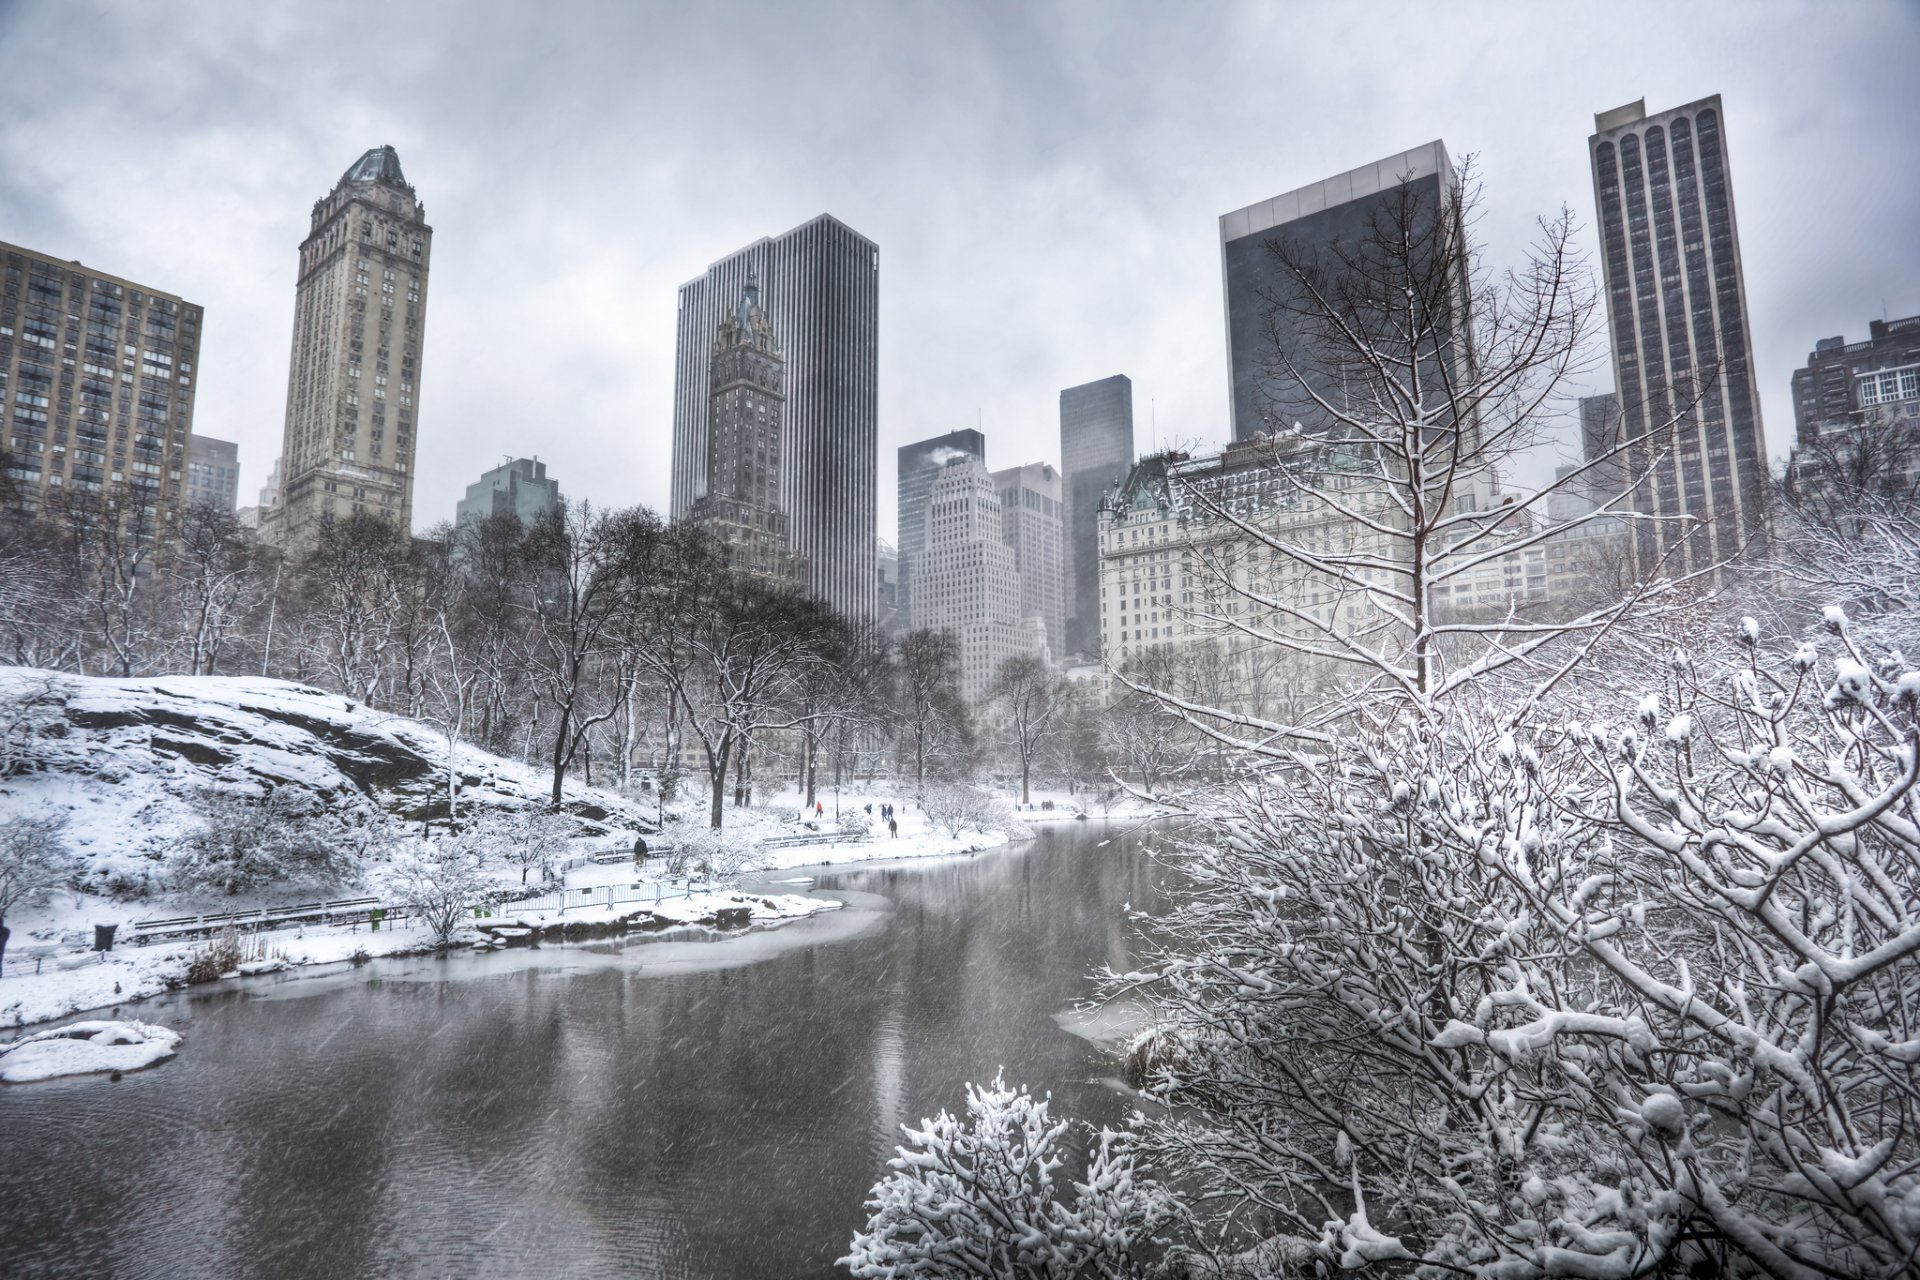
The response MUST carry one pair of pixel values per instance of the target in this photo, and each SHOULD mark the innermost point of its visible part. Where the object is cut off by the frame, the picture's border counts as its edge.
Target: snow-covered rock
(132, 760)
(86, 1048)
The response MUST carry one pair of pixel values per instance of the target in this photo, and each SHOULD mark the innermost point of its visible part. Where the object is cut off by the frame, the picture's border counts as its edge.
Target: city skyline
(989, 285)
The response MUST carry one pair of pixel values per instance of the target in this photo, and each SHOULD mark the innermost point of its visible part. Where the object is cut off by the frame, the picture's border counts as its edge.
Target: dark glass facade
(819, 286)
(1677, 321)
(919, 463)
(1096, 452)
(1341, 210)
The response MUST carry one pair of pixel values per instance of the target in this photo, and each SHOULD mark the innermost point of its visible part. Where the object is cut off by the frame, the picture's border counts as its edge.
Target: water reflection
(673, 1109)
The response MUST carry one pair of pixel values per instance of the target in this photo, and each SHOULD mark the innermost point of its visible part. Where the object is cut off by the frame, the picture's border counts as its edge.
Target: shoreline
(83, 983)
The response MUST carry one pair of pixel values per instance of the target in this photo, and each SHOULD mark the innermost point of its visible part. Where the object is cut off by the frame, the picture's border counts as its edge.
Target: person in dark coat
(639, 850)
(893, 829)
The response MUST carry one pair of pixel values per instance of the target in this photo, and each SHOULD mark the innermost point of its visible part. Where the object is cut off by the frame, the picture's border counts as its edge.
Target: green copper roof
(382, 164)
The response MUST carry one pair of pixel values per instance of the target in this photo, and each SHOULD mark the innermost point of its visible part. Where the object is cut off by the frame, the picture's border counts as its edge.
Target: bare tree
(930, 710)
(1417, 376)
(212, 571)
(353, 578)
(587, 572)
(1032, 700)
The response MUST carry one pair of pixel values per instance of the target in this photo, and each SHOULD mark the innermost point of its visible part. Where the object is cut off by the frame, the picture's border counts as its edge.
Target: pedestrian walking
(819, 809)
(893, 829)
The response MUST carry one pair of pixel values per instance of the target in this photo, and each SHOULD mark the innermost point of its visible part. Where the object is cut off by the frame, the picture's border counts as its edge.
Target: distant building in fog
(966, 582)
(919, 463)
(213, 473)
(519, 487)
(1031, 525)
(1096, 452)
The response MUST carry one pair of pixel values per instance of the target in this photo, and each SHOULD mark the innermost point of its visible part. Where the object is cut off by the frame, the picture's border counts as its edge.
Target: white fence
(604, 895)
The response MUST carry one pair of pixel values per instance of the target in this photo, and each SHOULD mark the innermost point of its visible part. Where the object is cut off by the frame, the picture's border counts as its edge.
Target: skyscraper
(819, 289)
(519, 486)
(1096, 452)
(1031, 525)
(213, 473)
(966, 582)
(1677, 320)
(97, 378)
(745, 392)
(359, 326)
(919, 463)
(1318, 223)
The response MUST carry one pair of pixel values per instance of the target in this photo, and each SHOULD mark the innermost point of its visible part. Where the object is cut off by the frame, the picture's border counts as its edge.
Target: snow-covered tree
(439, 882)
(983, 1196)
(1525, 995)
(958, 808)
(34, 860)
(281, 840)
(525, 838)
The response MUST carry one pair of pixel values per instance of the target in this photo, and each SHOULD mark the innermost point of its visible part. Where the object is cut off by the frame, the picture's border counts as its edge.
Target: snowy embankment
(131, 765)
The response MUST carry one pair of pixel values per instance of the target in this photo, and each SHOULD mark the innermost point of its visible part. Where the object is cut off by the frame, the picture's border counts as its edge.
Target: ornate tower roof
(382, 164)
(749, 301)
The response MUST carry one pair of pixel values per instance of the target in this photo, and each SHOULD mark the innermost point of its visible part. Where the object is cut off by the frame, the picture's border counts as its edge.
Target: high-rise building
(1032, 525)
(96, 382)
(1677, 320)
(1317, 224)
(919, 463)
(740, 504)
(519, 486)
(1856, 417)
(213, 473)
(1845, 385)
(886, 619)
(359, 326)
(966, 582)
(819, 288)
(1096, 452)
(1600, 432)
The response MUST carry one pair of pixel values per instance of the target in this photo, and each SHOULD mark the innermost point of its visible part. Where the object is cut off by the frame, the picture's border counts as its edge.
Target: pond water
(662, 1109)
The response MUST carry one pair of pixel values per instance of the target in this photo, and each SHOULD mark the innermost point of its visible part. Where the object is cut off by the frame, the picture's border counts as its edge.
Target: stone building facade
(746, 394)
(359, 331)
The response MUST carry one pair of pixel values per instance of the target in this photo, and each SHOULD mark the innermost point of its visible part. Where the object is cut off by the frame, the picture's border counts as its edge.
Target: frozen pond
(667, 1109)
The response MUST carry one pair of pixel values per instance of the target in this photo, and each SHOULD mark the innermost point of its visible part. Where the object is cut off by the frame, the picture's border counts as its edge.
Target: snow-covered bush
(962, 808)
(856, 823)
(701, 851)
(526, 838)
(283, 840)
(981, 1197)
(440, 882)
(33, 860)
(1522, 996)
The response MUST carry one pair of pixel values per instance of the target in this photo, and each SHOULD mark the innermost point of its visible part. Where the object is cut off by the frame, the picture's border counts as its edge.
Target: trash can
(103, 936)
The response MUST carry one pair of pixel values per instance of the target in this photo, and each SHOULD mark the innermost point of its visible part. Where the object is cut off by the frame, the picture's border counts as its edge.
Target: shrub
(980, 1197)
(963, 808)
(222, 955)
(283, 839)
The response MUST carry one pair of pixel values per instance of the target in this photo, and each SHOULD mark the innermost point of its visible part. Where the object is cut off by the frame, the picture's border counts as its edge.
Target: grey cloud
(1042, 180)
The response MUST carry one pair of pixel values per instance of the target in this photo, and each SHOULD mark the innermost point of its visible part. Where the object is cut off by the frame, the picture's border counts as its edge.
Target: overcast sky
(1044, 182)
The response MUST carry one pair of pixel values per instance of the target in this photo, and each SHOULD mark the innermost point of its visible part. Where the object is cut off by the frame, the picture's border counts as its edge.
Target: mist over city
(1233, 641)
